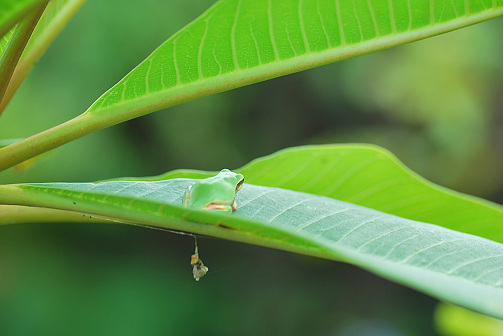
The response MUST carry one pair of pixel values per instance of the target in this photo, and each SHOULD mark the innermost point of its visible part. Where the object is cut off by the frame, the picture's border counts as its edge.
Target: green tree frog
(215, 193)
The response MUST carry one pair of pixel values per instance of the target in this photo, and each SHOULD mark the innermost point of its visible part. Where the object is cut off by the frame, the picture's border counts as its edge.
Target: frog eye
(240, 184)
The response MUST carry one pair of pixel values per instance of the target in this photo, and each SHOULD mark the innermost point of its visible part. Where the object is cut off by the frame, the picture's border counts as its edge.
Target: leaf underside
(456, 267)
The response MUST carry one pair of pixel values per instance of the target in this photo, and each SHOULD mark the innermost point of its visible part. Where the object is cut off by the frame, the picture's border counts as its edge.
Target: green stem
(16, 214)
(61, 134)
(15, 47)
(92, 121)
(49, 139)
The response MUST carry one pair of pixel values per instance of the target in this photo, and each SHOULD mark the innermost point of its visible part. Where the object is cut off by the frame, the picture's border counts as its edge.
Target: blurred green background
(436, 104)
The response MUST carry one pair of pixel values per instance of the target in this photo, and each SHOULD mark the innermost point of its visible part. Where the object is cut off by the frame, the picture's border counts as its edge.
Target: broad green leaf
(372, 177)
(55, 17)
(11, 11)
(456, 267)
(240, 42)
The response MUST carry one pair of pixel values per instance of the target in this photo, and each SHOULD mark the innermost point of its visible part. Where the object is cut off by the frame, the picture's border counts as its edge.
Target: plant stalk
(52, 138)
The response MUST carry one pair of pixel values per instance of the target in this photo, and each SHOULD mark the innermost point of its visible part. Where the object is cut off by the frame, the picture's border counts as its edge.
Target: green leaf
(456, 267)
(372, 177)
(11, 11)
(55, 17)
(240, 42)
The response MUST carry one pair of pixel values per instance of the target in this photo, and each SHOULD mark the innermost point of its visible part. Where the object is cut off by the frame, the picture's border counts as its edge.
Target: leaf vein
(359, 226)
(474, 262)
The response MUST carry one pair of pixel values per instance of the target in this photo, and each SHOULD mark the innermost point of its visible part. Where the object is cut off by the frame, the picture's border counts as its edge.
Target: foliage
(324, 206)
